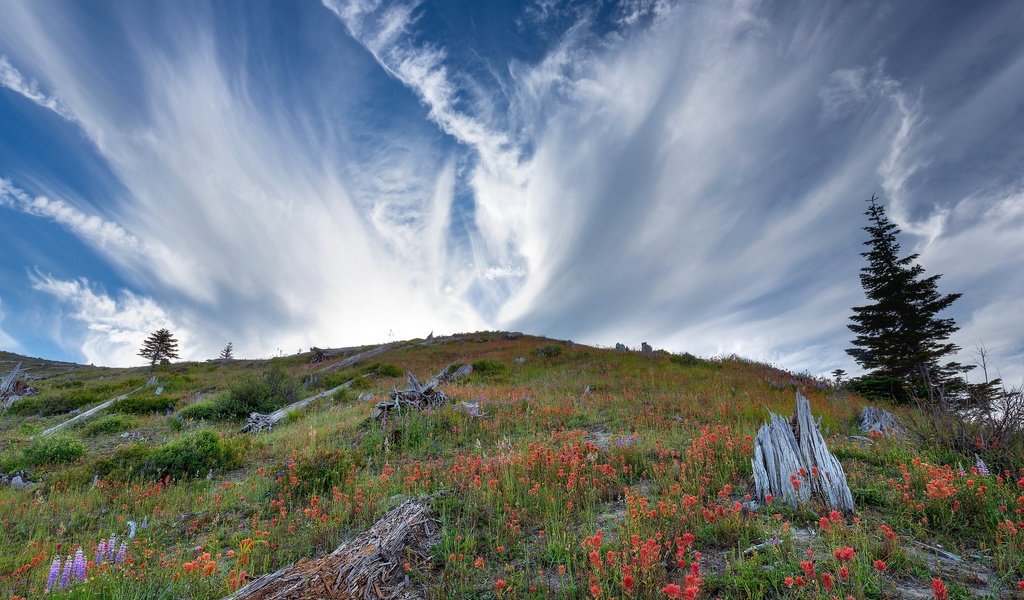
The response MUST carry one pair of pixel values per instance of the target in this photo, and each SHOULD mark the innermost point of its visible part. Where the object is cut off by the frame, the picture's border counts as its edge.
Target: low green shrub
(264, 394)
(202, 410)
(124, 463)
(191, 456)
(274, 389)
(488, 367)
(685, 359)
(552, 350)
(108, 424)
(53, 450)
(383, 370)
(56, 403)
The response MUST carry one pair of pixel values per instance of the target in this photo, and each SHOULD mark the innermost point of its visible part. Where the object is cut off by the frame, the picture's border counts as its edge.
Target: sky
(690, 174)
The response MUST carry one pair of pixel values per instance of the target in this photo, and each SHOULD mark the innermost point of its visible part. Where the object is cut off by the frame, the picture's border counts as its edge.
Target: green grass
(658, 448)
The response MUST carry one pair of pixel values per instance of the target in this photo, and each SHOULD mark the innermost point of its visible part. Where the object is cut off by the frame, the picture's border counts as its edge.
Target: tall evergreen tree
(899, 337)
(160, 346)
(228, 352)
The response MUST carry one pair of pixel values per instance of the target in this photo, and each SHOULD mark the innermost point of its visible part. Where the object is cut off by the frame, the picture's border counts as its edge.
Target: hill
(552, 470)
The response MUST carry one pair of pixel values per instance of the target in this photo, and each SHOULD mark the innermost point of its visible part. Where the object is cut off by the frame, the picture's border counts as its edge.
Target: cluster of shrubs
(193, 455)
(142, 404)
(108, 424)
(68, 396)
(264, 394)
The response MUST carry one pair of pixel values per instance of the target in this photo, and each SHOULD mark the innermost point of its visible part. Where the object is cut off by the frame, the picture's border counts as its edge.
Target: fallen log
(259, 422)
(368, 354)
(370, 566)
(92, 412)
(792, 463)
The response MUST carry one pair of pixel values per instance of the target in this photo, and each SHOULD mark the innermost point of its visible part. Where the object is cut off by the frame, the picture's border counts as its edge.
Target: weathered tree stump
(792, 463)
(882, 421)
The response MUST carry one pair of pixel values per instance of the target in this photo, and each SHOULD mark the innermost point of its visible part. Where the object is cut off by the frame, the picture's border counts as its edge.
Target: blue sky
(693, 174)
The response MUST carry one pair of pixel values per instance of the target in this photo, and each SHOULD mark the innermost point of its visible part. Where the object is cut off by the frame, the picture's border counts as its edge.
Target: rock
(159, 390)
(645, 347)
(511, 335)
(519, 360)
(620, 347)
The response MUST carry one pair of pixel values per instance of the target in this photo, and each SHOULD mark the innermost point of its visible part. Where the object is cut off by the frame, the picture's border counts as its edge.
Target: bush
(383, 370)
(686, 359)
(264, 394)
(108, 424)
(202, 410)
(488, 367)
(56, 403)
(191, 456)
(57, 449)
(551, 350)
(274, 389)
(137, 405)
(125, 462)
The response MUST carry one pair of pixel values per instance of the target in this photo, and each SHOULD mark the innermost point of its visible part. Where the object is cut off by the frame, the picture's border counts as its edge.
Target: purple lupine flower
(120, 553)
(65, 576)
(101, 552)
(110, 547)
(51, 579)
(78, 567)
(980, 464)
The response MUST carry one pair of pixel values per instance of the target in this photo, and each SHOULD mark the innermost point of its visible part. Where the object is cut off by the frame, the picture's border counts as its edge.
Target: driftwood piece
(792, 462)
(92, 412)
(882, 421)
(259, 422)
(370, 566)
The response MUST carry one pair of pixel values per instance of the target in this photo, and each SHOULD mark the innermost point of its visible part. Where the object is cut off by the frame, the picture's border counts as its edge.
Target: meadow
(594, 474)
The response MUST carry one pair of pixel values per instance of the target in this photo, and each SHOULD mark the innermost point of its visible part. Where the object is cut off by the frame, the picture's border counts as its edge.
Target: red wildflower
(939, 590)
(672, 590)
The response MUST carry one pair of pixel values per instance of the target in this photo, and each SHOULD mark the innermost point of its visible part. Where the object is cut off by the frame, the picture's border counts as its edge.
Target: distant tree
(900, 339)
(228, 352)
(838, 375)
(159, 347)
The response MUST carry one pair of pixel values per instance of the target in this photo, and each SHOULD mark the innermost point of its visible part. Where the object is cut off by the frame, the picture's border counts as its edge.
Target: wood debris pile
(370, 566)
(420, 396)
(793, 464)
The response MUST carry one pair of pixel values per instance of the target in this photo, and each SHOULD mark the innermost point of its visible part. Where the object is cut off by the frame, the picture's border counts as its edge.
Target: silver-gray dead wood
(793, 464)
(370, 566)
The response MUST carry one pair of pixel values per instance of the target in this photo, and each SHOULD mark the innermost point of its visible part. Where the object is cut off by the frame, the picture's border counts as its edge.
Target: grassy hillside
(595, 474)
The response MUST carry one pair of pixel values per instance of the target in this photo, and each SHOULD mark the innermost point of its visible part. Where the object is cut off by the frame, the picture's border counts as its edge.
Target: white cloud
(111, 329)
(693, 178)
(13, 80)
(149, 258)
